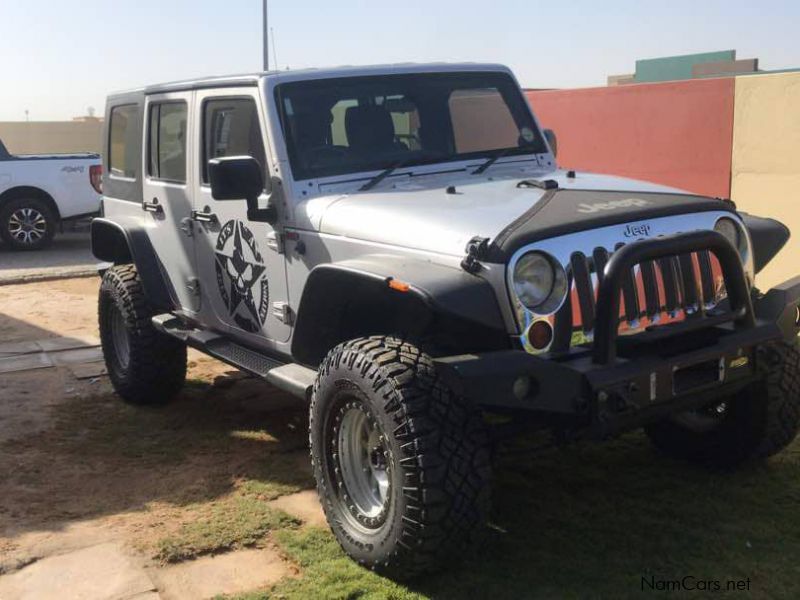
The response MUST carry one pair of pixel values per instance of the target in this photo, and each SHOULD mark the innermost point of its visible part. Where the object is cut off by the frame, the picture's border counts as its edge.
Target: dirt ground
(78, 467)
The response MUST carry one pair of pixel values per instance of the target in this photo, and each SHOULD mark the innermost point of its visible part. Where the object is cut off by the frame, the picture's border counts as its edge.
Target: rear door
(166, 191)
(241, 265)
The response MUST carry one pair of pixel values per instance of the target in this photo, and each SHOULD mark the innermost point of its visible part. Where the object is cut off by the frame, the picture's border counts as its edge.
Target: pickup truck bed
(39, 191)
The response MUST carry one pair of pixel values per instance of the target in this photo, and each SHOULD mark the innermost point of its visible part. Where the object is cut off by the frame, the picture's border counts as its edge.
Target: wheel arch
(392, 295)
(29, 191)
(120, 244)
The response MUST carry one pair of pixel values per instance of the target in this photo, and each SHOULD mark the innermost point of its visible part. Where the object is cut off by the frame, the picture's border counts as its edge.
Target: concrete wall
(671, 68)
(676, 133)
(766, 160)
(43, 137)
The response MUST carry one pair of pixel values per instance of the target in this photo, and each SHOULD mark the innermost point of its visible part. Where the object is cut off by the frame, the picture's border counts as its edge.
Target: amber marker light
(399, 286)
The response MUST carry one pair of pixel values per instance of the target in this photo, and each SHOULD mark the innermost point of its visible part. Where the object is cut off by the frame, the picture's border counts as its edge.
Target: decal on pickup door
(241, 276)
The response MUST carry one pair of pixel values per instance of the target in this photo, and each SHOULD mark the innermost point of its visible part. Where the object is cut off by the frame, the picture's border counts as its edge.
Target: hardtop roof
(248, 79)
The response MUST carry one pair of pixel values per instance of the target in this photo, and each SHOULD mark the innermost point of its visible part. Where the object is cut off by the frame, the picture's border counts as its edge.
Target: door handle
(153, 207)
(204, 216)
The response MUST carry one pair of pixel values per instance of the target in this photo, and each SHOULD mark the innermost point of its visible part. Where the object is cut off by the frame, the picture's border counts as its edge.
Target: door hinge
(275, 241)
(193, 285)
(187, 227)
(283, 312)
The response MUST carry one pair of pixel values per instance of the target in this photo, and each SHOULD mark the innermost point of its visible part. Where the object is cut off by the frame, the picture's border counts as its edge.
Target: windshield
(350, 125)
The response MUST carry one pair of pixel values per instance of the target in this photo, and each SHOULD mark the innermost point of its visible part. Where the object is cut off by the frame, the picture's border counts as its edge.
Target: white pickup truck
(38, 192)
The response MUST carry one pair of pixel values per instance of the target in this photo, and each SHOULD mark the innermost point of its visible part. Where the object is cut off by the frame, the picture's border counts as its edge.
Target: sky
(60, 57)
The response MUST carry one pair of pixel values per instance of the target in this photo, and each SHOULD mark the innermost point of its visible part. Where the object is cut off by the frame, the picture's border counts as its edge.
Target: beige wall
(765, 171)
(42, 137)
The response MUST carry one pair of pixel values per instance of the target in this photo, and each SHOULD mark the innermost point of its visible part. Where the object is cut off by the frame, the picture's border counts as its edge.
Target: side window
(482, 121)
(122, 154)
(167, 142)
(231, 128)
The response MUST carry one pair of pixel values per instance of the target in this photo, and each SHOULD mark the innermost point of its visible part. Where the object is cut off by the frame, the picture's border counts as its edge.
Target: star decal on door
(241, 276)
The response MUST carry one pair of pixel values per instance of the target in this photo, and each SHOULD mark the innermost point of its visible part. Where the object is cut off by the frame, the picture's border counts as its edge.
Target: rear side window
(167, 142)
(231, 128)
(122, 144)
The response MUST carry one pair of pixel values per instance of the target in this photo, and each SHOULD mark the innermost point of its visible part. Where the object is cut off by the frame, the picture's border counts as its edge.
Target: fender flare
(768, 237)
(119, 244)
(423, 291)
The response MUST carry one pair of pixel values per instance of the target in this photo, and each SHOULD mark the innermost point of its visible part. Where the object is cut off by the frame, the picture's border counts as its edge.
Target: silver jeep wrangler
(396, 246)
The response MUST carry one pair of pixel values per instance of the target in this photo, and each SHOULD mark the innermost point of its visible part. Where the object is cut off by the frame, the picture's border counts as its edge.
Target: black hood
(561, 212)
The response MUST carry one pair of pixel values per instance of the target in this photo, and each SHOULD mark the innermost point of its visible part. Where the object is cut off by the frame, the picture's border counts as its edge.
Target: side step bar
(290, 377)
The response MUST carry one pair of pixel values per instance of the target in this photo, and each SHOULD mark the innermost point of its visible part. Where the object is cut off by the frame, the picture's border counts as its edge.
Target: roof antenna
(265, 36)
(274, 53)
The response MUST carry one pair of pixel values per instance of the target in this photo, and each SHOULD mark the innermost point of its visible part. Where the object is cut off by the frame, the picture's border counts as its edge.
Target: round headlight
(539, 282)
(731, 231)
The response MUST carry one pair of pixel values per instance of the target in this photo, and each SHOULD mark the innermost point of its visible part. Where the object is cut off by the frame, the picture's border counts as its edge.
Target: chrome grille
(667, 290)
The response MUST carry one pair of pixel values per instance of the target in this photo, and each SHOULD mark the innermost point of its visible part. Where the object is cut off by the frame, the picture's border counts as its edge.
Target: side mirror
(552, 141)
(240, 178)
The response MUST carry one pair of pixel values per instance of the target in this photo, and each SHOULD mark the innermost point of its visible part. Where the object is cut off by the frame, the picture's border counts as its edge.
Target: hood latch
(476, 251)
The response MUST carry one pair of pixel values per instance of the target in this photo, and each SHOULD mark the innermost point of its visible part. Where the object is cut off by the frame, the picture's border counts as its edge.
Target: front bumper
(616, 384)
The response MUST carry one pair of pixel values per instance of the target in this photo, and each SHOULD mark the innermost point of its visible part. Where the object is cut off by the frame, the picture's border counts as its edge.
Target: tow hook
(476, 250)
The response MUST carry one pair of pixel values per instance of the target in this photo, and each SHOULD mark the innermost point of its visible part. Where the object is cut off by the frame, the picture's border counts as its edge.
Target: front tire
(27, 224)
(145, 366)
(754, 424)
(402, 465)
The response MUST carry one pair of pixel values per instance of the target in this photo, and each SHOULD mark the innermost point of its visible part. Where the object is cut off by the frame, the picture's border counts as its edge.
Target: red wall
(676, 133)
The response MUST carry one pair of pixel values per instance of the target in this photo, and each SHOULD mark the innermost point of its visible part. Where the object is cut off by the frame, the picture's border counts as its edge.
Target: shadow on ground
(103, 457)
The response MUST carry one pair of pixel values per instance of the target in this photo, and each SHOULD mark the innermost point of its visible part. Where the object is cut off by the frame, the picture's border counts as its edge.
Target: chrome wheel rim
(27, 225)
(120, 338)
(363, 464)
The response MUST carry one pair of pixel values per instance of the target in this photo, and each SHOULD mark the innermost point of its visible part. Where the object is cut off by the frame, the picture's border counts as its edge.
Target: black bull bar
(674, 367)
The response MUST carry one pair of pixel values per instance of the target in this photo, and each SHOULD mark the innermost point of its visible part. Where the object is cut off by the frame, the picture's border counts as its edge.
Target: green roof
(670, 68)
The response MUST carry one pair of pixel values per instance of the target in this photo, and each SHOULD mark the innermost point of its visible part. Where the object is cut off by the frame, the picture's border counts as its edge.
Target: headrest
(369, 128)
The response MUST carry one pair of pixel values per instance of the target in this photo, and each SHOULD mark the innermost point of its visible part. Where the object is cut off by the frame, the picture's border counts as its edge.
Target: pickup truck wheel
(145, 366)
(27, 224)
(753, 424)
(402, 464)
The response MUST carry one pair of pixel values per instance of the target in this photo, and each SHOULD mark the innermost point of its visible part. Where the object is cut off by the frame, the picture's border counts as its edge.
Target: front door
(242, 269)
(166, 192)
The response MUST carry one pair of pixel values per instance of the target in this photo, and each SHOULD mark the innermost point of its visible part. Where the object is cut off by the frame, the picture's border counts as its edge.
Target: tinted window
(481, 120)
(167, 142)
(339, 126)
(230, 128)
(123, 157)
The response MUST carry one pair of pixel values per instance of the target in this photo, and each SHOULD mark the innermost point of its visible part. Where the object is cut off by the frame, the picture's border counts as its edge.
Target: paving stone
(88, 370)
(231, 573)
(101, 572)
(16, 348)
(25, 362)
(304, 506)
(57, 344)
(76, 356)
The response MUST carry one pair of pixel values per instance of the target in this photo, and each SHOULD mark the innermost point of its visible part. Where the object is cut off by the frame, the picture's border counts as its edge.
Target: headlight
(540, 282)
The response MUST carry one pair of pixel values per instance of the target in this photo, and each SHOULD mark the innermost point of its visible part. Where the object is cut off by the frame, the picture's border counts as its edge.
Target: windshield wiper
(493, 159)
(383, 175)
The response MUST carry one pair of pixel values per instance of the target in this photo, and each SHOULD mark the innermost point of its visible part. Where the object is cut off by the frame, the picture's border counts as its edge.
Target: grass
(596, 521)
(237, 523)
(584, 521)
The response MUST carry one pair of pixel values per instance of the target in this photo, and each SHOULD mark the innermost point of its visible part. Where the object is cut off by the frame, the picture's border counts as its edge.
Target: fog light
(797, 316)
(540, 335)
(522, 387)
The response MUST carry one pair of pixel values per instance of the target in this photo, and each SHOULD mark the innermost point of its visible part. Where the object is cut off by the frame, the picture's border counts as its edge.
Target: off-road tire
(14, 207)
(155, 368)
(759, 421)
(437, 449)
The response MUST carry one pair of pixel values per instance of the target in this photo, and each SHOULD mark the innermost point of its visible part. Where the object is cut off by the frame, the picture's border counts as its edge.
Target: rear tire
(145, 366)
(402, 465)
(27, 224)
(754, 424)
